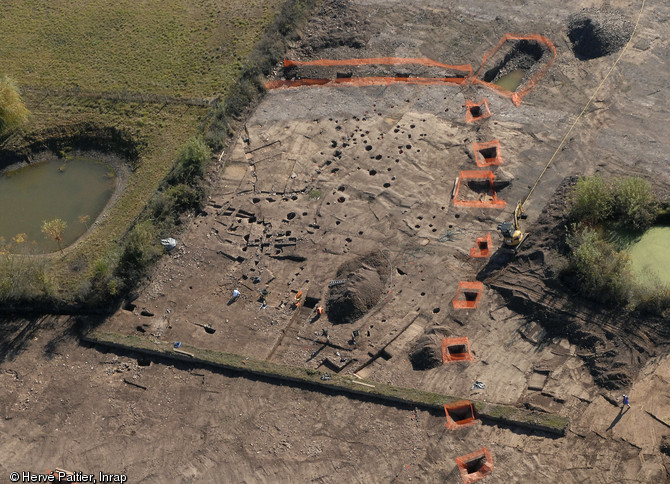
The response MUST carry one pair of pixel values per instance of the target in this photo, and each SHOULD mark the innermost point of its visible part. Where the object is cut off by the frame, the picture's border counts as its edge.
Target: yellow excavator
(511, 231)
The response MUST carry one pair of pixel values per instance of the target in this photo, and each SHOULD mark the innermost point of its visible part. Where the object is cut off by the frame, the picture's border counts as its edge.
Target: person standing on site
(236, 293)
(625, 401)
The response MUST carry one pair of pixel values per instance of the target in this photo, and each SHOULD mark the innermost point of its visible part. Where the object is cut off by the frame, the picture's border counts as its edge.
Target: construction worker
(236, 293)
(319, 310)
(625, 401)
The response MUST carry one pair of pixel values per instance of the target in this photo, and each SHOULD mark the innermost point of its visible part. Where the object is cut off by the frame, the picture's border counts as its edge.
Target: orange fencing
(477, 111)
(456, 349)
(482, 246)
(467, 289)
(484, 201)
(380, 61)
(362, 81)
(461, 76)
(487, 154)
(459, 414)
(475, 466)
(518, 95)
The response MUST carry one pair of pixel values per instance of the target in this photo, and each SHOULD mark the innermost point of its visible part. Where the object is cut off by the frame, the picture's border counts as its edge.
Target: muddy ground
(354, 184)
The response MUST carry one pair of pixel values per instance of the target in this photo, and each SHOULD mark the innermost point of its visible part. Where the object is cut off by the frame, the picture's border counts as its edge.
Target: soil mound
(426, 353)
(597, 33)
(365, 278)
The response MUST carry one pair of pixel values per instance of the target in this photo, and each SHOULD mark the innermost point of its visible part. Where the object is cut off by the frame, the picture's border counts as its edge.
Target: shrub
(635, 205)
(142, 247)
(12, 111)
(603, 271)
(591, 200)
(190, 165)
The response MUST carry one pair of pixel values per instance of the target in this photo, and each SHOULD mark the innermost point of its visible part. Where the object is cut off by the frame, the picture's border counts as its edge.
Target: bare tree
(54, 229)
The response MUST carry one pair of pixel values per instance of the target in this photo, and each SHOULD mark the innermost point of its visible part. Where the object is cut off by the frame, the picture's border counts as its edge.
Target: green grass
(170, 47)
(344, 383)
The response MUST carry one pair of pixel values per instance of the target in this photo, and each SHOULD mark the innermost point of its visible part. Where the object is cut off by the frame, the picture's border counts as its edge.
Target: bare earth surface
(355, 184)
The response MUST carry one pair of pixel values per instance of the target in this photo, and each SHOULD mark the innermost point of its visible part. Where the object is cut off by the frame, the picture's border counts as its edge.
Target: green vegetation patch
(170, 47)
(608, 217)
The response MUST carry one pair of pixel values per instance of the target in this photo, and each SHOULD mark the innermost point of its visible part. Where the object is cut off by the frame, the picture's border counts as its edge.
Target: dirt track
(348, 171)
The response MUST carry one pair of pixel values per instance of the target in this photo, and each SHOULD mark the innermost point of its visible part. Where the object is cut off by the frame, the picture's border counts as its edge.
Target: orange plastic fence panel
(459, 414)
(466, 68)
(519, 94)
(482, 246)
(456, 349)
(487, 154)
(477, 111)
(475, 466)
(493, 202)
(364, 81)
(465, 289)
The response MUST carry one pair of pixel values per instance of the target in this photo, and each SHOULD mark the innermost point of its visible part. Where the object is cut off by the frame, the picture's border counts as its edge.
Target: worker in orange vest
(319, 310)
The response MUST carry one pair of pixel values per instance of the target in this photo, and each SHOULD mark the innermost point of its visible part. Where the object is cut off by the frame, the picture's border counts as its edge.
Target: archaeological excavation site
(383, 284)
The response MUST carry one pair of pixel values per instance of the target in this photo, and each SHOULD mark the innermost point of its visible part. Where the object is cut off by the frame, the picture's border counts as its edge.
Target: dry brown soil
(321, 177)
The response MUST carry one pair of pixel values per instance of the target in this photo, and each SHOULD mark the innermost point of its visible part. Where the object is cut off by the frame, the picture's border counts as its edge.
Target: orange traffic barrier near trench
(487, 154)
(477, 111)
(468, 295)
(456, 349)
(484, 201)
(482, 246)
(459, 414)
(475, 466)
(517, 95)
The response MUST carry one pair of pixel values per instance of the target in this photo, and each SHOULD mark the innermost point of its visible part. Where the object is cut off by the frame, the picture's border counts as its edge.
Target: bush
(191, 162)
(591, 200)
(635, 205)
(12, 111)
(142, 247)
(603, 271)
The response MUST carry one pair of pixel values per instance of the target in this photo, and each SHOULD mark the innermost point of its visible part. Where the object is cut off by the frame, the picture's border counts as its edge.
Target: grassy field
(65, 54)
(188, 49)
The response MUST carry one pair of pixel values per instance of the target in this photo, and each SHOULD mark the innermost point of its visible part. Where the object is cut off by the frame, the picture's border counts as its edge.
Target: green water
(650, 256)
(511, 80)
(75, 190)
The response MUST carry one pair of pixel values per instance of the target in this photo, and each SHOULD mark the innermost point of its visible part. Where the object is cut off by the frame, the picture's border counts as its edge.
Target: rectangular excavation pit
(311, 302)
(476, 188)
(477, 111)
(459, 414)
(537, 380)
(482, 246)
(475, 466)
(468, 295)
(487, 154)
(456, 349)
(516, 64)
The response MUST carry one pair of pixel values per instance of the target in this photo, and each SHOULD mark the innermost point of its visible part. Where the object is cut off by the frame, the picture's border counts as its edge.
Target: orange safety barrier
(465, 69)
(477, 111)
(487, 154)
(475, 466)
(380, 60)
(456, 349)
(471, 291)
(484, 201)
(459, 414)
(363, 81)
(482, 246)
(517, 95)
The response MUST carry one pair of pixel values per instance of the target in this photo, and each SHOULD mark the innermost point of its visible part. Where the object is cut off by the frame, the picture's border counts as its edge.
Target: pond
(75, 190)
(511, 80)
(650, 257)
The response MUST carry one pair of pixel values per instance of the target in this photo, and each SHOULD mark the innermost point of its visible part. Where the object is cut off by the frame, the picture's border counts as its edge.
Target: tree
(635, 204)
(54, 229)
(12, 110)
(591, 200)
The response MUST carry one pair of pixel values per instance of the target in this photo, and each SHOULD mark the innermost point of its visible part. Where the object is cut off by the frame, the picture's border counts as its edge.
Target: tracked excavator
(513, 235)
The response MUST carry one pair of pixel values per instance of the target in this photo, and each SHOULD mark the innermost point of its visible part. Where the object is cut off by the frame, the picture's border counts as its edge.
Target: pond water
(650, 257)
(511, 80)
(74, 190)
